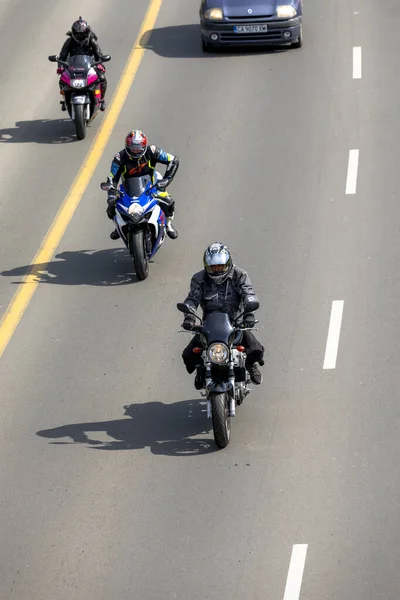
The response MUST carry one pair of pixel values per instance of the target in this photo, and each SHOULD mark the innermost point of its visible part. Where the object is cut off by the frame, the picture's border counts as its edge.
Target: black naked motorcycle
(226, 377)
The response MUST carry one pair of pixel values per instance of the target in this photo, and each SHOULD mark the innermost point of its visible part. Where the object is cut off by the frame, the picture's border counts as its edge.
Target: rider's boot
(171, 231)
(255, 374)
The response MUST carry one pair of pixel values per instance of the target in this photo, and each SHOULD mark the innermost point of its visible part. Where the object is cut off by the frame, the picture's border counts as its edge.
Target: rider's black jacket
(88, 48)
(230, 296)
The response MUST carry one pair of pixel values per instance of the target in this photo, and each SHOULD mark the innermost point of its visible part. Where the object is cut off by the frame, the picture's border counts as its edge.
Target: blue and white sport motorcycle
(139, 220)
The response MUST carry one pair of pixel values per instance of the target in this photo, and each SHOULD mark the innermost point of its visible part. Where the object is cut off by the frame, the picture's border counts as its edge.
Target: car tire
(299, 42)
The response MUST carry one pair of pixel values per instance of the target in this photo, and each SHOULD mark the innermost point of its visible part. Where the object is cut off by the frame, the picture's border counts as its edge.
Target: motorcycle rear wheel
(221, 420)
(80, 125)
(138, 254)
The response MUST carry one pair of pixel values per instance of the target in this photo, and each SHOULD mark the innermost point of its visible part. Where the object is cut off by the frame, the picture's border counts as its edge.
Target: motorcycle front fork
(230, 390)
(149, 244)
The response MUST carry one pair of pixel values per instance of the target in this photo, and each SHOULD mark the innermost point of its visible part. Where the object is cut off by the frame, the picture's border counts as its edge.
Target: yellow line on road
(57, 229)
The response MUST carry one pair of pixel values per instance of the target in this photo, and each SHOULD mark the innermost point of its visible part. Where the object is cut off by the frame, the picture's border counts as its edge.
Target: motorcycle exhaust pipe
(232, 407)
(208, 409)
(232, 403)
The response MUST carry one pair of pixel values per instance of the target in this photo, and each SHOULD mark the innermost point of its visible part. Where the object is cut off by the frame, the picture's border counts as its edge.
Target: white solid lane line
(332, 343)
(357, 62)
(295, 574)
(352, 172)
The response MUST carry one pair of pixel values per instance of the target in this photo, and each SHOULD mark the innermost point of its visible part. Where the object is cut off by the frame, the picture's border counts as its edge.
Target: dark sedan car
(251, 23)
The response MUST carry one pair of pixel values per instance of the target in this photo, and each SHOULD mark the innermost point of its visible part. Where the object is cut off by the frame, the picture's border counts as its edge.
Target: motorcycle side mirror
(53, 58)
(188, 310)
(251, 306)
(106, 186)
(106, 58)
(184, 308)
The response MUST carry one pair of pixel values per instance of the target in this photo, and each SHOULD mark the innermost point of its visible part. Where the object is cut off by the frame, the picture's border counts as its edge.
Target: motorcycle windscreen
(218, 328)
(80, 62)
(135, 186)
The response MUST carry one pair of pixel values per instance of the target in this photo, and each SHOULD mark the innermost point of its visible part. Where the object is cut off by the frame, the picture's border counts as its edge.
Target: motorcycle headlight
(78, 83)
(218, 353)
(135, 211)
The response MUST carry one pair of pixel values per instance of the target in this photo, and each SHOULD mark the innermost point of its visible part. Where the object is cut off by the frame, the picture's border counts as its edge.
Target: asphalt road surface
(110, 483)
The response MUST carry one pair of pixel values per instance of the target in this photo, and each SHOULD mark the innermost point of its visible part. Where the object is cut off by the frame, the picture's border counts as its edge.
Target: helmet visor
(217, 269)
(80, 36)
(135, 150)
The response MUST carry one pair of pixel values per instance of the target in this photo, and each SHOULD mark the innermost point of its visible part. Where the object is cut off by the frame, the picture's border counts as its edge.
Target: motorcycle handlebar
(65, 64)
(199, 329)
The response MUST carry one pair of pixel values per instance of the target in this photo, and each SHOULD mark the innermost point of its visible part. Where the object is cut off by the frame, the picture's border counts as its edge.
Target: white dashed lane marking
(332, 343)
(352, 172)
(357, 62)
(295, 574)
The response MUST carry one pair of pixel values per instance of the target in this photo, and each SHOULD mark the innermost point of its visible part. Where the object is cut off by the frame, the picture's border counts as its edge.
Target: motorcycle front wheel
(138, 253)
(80, 125)
(221, 419)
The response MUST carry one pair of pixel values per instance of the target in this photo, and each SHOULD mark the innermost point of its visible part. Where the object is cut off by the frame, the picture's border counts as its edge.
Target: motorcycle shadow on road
(167, 429)
(109, 267)
(40, 131)
(184, 41)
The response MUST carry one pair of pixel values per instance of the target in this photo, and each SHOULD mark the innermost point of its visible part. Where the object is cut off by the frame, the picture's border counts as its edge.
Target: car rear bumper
(279, 32)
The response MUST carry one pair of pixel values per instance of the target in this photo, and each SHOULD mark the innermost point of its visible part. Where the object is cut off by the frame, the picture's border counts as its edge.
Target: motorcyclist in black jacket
(222, 286)
(82, 40)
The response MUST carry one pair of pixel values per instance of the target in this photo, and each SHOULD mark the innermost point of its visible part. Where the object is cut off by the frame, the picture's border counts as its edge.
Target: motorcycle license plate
(250, 28)
(78, 83)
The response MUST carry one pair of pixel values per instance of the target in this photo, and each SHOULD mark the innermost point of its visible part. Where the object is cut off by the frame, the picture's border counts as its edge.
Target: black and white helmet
(217, 262)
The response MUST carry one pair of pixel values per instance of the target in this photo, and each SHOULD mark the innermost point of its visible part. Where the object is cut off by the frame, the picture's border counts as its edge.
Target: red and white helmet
(136, 144)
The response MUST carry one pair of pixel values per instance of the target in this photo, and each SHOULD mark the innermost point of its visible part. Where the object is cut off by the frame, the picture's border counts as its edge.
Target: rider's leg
(167, 204)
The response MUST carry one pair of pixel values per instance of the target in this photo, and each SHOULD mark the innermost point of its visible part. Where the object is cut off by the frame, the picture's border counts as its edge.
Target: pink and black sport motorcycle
(80, 86)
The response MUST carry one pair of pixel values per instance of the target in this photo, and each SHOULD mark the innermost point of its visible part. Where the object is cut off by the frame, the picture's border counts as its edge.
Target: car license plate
(250, 28)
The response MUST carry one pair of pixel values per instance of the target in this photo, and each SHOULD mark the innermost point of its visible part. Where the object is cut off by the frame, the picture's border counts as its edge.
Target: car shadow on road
(108, 267)
(167, 429)
(40, 131)
(184, 41)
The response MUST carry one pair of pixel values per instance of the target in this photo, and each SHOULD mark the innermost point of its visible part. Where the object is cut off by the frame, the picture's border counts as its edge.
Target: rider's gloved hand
(163, 183)
(60, 70)
(188, 322)
(249, 321)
